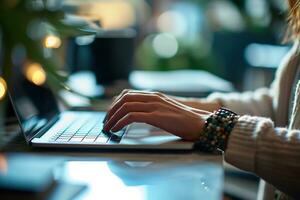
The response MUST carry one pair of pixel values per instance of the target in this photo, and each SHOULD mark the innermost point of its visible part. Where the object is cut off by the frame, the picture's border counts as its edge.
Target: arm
(272, 153)
(257, 103)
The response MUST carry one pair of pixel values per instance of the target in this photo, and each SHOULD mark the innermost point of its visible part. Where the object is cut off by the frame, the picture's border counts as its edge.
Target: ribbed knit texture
(241, 148)
(295, 118)
(255, 144)
(256, 103)
(272, 153)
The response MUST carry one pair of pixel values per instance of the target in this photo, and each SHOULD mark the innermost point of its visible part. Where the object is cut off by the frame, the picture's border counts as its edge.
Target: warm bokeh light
(35, 73)
(3, 88)
(11, 3)
(52, 41)
(116, 14)
(3, 164)
(172, 22)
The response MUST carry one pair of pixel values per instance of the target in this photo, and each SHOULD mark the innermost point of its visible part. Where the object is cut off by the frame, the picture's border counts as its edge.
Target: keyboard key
(94, 132)
(88, 140)
(115, 139)
(67, 134)
(91, 136)
(97, 126)
(80, 134)
(76, 139)
(90, 124)
(54, 137)
(65, 138)
(101, 139)
(119, 133)
(62, 140)
(75, 126)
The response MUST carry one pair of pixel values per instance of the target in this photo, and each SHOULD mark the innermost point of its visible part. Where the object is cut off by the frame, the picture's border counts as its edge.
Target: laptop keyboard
(86, 130)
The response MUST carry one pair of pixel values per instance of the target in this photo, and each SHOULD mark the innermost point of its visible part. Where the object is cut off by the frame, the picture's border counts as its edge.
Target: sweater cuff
(241, 147)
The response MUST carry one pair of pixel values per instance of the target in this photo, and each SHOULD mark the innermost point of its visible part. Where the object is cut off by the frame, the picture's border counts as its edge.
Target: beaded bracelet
(217, 130)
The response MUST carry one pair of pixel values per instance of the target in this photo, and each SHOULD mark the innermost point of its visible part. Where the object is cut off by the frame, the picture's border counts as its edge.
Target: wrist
(217, 129)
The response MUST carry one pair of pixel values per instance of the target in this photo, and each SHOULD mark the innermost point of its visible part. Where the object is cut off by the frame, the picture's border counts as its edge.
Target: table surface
(131, 166)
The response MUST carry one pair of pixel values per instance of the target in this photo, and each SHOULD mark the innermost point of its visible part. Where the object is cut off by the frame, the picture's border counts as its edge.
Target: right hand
(197, 103)
(158, 110)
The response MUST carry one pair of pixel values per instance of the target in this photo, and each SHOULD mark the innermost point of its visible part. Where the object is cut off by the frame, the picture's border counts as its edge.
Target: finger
(128, 108)
(120, 95)
(126, 91)
(169, 99)
(117, 98)
(133, 98)
(133, 117)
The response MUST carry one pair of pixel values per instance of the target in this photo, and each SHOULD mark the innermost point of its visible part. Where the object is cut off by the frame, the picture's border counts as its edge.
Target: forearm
(271, 153)
(254, 103)
(200, 103)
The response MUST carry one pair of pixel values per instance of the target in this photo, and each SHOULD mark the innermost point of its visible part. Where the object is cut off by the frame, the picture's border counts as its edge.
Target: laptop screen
(34, 105)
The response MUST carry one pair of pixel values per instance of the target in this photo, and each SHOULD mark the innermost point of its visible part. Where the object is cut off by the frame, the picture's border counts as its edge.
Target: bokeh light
(3, 164)
(35, 73)
(11, 3)
(115, 14)
(165, 45)
(52, 41)
(172, 22)
(3, 88)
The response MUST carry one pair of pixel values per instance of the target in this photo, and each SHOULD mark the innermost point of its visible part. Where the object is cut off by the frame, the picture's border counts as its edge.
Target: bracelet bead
(217, 130)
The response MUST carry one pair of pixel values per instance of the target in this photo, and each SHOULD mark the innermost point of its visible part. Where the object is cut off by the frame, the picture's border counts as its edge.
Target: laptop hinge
(45, 128)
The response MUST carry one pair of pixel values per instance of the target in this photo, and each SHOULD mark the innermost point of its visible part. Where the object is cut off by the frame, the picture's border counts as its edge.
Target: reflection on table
(66, 177)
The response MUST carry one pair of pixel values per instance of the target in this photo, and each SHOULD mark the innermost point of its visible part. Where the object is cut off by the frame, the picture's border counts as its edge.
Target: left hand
(158, 110)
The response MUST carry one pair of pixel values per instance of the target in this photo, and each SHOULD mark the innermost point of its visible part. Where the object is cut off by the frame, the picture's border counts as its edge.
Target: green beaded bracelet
(217, 130)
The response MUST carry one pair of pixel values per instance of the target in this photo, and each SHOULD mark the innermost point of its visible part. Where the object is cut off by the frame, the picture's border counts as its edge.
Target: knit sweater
(263, 141)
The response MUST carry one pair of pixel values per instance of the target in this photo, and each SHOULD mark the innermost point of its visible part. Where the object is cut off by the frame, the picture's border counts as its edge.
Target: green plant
(26, 24)
(28, 29)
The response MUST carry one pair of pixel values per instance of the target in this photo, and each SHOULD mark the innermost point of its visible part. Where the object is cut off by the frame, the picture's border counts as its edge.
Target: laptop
(44, 124)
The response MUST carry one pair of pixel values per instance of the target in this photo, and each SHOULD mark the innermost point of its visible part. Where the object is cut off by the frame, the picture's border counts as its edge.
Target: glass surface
(145, 180)
(20, 172)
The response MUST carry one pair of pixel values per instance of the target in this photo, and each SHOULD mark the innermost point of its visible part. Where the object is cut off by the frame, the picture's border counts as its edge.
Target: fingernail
(113, 130)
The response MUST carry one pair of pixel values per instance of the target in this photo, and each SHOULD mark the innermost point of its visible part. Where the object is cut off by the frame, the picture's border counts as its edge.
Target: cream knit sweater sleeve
(272, 153)
(255, 103)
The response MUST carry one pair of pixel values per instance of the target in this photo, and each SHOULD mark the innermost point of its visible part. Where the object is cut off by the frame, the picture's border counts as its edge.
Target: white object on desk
(193, 83)
(179, 82)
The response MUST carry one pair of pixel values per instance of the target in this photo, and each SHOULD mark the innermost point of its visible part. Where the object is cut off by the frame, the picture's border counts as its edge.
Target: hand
(196, 103)
(158, 110)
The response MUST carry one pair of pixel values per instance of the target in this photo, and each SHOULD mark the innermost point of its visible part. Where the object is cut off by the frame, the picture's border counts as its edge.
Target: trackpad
(140, 133)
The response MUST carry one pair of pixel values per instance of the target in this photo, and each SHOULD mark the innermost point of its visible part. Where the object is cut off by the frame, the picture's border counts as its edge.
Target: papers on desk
(180, 82)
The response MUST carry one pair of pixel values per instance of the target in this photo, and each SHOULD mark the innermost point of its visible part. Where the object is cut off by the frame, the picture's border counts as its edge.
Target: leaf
(68, 28)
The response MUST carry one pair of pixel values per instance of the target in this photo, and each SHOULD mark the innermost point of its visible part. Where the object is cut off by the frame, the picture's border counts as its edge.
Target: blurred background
(216, 45)
(239, 41)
